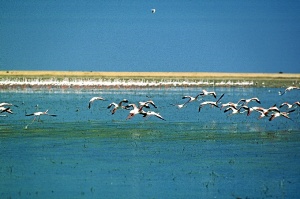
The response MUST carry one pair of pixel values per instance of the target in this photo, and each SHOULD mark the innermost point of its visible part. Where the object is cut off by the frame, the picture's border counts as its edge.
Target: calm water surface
(89, 153)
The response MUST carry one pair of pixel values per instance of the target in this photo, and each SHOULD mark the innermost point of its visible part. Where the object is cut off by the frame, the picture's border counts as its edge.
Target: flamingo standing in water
(117, 106)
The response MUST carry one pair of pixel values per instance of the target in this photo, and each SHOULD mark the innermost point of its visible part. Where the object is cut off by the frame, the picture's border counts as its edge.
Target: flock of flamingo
(242, 105)
(235, 108)
(126, 83)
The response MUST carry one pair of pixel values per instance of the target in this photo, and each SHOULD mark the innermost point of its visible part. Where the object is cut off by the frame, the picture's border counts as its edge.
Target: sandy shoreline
(81, 79)
(148, 74)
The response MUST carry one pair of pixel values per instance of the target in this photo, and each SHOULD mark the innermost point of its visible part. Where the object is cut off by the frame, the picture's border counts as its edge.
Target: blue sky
(183, 35)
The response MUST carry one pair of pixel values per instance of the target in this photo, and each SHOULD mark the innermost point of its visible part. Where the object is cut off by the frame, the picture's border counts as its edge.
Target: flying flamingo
(263, 112)
(230, 104)
(205, 93)
(139, 110)
(38, 115)
(234, 110)
(210, 103)
(288, 89)
(146, 104)
(283, 114)
(246, 101)
(3, 109)
(152, 113)
(289, 106)
(93, 99)
(296, 103)
(190, 98)
(7, 104)
(136, 110)
(117, 106)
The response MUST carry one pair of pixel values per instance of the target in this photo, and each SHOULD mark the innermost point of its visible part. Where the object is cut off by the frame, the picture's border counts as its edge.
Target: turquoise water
(89, 153)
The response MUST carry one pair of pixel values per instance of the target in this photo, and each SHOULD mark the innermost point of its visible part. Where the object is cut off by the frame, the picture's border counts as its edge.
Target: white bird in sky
(153, 10)
(93, 99)
(117, 106)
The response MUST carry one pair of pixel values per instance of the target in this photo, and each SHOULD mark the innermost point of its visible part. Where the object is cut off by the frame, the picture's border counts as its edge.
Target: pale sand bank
(11, 79)
(193, 75)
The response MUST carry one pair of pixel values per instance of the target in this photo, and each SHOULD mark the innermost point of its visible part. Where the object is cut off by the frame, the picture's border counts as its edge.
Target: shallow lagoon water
(89, 153)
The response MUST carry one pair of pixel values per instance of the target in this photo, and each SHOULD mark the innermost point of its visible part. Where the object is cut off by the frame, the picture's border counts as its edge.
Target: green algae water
(90, 153)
